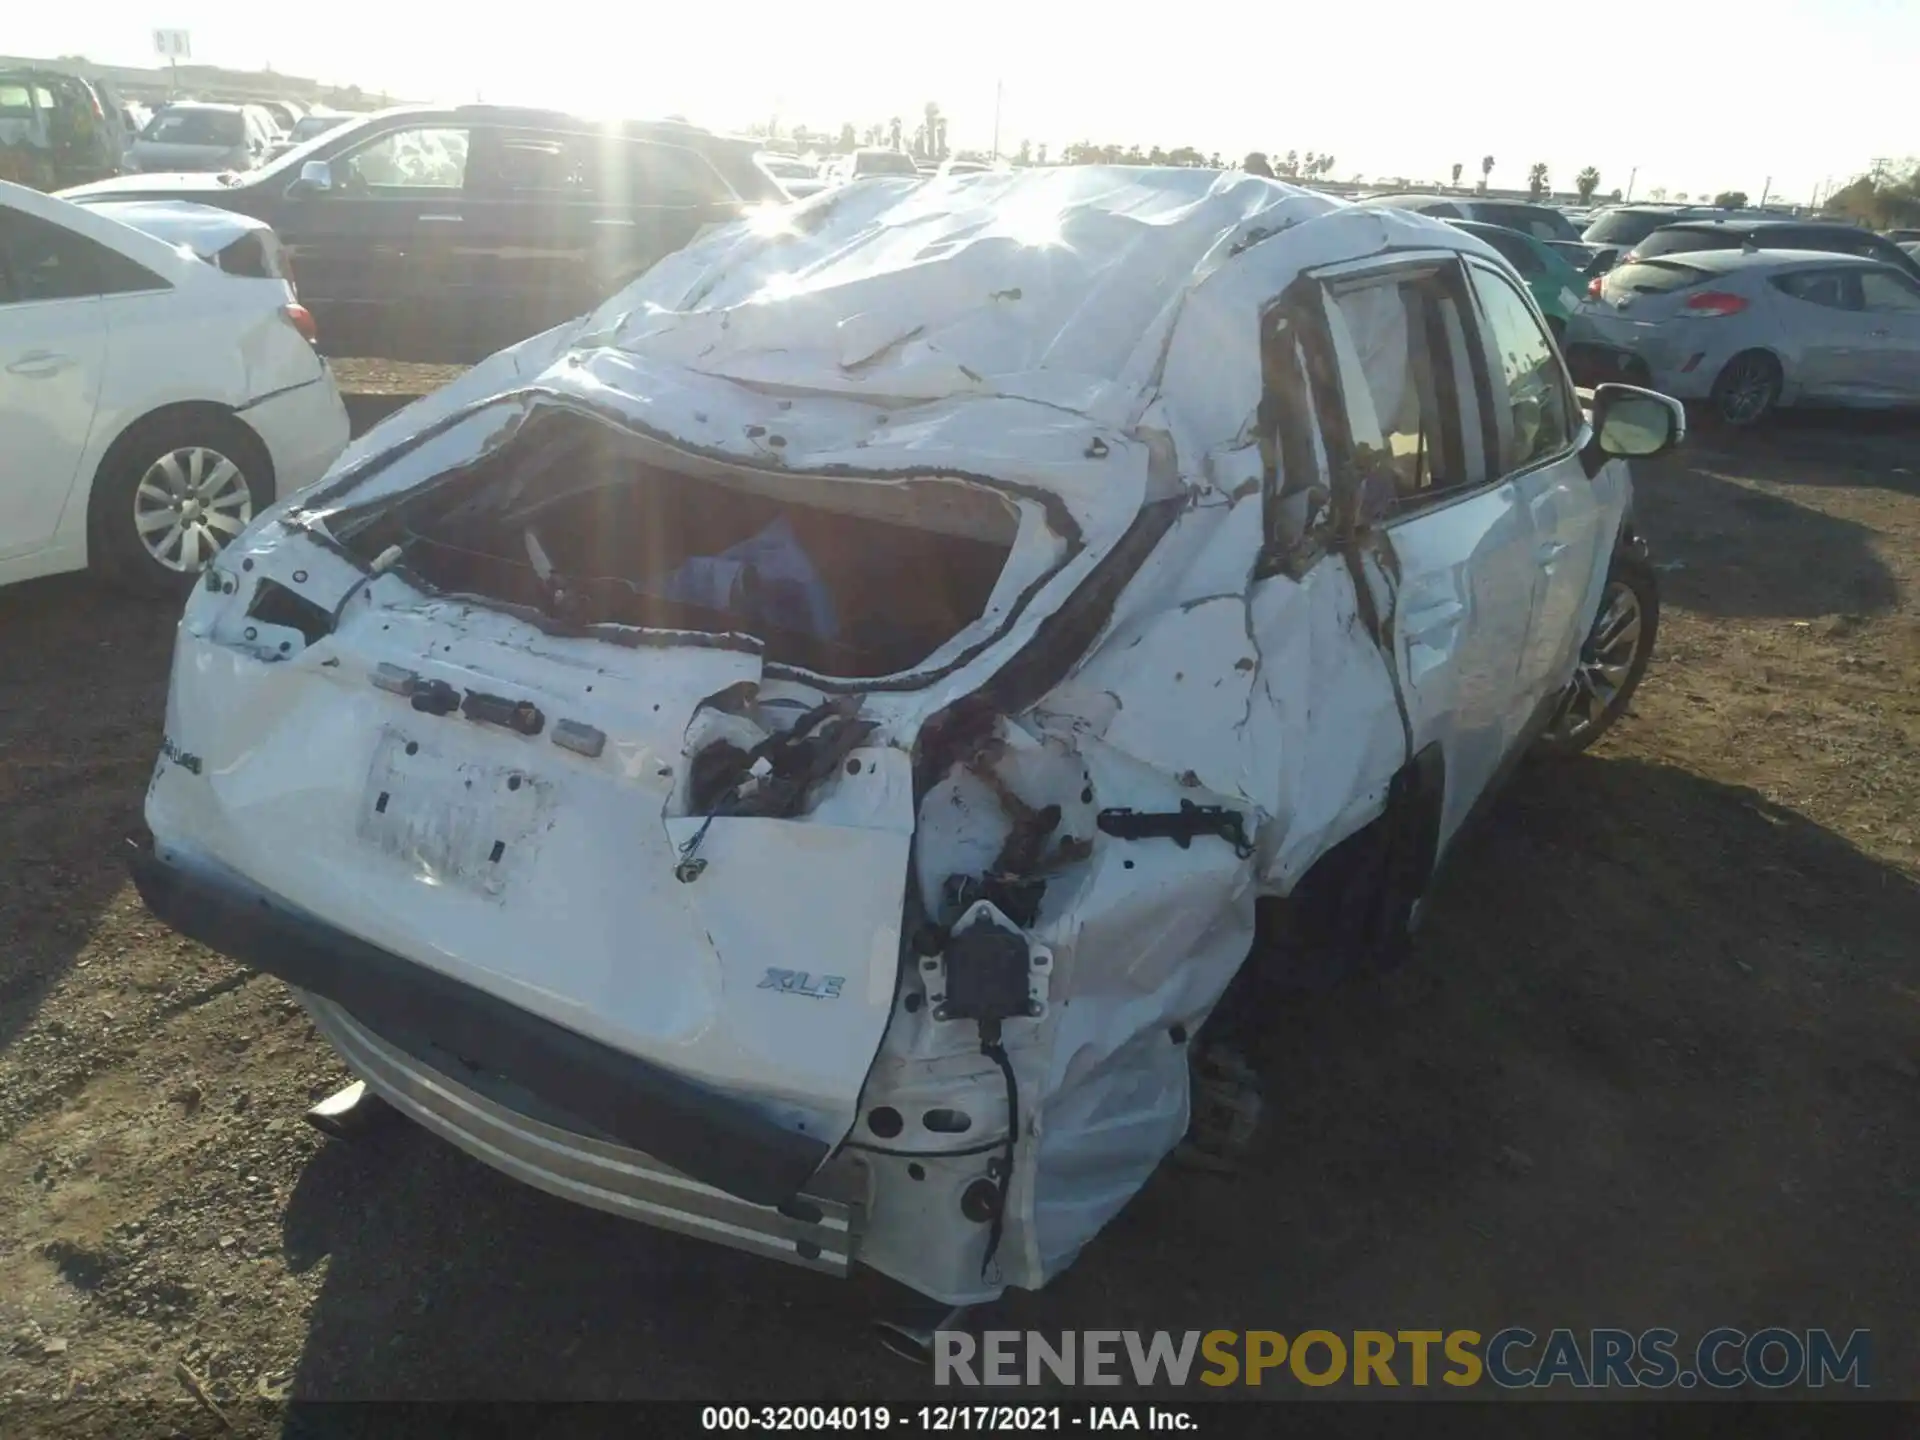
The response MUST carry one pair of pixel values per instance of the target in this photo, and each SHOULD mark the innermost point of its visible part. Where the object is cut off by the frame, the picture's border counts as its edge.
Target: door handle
(39, 364)
(440, 219)
(1879, 334)
(621, 224)
(1550, 551)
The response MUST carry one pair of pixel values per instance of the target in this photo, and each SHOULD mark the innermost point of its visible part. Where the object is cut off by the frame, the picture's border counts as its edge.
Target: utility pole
(996, 121)
(1766, 190)
(1635, 175)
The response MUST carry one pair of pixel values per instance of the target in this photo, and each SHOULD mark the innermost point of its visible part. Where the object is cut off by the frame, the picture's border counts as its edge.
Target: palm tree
(1290, 167)
(933, 132)
(1457, 167)
(1586, 182)
(1486, 172)
(1325, 164)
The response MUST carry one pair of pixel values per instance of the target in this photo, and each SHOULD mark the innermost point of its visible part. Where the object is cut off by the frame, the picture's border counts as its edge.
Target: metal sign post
(176, 46)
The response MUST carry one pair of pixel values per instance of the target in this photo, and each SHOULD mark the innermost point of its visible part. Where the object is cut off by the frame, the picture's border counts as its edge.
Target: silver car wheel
(188, 505)
(1606, 660)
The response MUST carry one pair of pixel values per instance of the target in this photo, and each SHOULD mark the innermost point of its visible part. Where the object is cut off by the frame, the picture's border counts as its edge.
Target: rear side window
(197, 127)
(15, 102)
(1648, 279)
(1440, 208)
(1517, 251)
(1684, 242)
(1833, 289)
(674, 175)
(1528, 220)
(42, 261)
(1624, 227)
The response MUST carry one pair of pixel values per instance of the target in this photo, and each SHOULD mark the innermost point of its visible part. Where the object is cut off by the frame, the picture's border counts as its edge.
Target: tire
(203, 469)
(1602, 688)
(1746, 389)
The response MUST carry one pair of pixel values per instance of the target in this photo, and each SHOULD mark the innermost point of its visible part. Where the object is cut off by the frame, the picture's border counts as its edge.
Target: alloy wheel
(190, 503)
(1746, 391)
(1606, 660)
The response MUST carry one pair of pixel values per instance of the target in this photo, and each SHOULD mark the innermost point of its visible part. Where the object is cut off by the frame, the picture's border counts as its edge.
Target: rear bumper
(819, 1230)
(589, 1087)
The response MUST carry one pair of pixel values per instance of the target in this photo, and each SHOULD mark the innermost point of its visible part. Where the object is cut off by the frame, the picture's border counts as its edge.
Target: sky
(1688, 95)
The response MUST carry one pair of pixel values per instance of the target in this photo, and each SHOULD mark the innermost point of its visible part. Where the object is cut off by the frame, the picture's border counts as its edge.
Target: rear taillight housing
(302, 320)
(1593, 286)
(1709, 303)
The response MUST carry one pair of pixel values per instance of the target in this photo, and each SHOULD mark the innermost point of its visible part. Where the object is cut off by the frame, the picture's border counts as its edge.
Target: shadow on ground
(1628, 1080)
(72, 771)
(1728, 547)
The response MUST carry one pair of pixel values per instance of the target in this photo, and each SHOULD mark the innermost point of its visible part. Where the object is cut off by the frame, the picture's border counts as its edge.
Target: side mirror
(316, 178)
(1632, 423)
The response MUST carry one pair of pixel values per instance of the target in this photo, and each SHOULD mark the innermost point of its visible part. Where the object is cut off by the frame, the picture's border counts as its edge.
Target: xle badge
(799, 982)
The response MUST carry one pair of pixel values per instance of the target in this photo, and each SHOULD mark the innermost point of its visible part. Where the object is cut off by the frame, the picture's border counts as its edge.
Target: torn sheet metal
(958, 921)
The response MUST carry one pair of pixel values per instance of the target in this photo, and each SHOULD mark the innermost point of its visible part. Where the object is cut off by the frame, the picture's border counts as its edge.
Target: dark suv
(1692, 235)
(447, 234)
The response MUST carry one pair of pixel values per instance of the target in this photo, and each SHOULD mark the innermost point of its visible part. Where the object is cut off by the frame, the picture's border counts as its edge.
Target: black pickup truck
(448, 233)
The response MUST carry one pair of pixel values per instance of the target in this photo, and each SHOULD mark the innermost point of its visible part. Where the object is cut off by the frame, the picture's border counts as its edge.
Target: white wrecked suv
(793, 757)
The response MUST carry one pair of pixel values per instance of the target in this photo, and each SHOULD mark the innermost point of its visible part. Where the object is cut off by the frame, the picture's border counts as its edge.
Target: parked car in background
(446, 233)
(1694, 236)
(1912, 247)
(1901, 237)
(197, 137)
(55, 131)
(286, 114)
(158, 387)
(1557, 288)
(1616, 229)
(1749, 330)
(780, 761)
(309, 127)
(963, 167)
(1543, 222)
(862, 164)
(795, 176)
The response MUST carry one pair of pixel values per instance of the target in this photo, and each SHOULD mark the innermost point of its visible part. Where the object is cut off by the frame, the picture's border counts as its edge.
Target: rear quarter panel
(211, 338)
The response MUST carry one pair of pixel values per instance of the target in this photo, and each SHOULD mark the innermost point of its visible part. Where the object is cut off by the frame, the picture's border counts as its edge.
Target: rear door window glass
(1398, 355)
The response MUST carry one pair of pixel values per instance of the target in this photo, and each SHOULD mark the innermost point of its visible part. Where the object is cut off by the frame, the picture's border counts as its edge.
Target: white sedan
(158, 387)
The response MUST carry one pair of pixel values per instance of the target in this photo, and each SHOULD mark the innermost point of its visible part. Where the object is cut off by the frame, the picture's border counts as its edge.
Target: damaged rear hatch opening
(582, 770)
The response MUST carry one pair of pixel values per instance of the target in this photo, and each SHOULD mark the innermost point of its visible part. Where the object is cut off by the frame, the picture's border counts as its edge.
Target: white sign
(172, 44)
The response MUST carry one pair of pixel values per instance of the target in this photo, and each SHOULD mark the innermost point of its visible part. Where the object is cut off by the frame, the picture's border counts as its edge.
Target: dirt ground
(1654, 1062)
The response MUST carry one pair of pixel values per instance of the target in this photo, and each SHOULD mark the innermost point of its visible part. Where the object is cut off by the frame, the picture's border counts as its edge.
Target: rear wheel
(1747, 388)
(171, 494)
(1613, 659)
